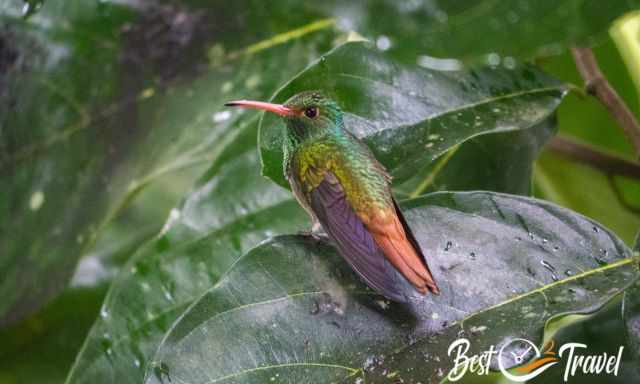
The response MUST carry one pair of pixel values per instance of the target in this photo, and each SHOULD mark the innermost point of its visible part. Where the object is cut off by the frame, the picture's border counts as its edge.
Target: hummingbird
(347, 192)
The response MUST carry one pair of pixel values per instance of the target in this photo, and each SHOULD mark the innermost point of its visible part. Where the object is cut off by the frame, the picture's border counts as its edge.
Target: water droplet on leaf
(36, 200)
(383, 43)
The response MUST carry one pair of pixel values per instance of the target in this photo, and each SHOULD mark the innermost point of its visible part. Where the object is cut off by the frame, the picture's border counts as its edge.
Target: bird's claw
(316, 232)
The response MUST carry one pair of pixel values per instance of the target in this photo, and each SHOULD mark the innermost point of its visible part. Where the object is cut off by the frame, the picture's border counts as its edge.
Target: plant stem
(608, 163)
(597, 85)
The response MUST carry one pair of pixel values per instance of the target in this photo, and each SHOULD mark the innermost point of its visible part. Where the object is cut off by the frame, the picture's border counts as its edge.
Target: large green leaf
(222, 218)
(410, 115)
(190, 255)
(74, 157)
(229, 210)
(292, 311)
(467, 29)
(55, 172)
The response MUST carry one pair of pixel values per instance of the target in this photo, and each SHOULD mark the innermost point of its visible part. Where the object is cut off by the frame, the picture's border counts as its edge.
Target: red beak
(275, 108)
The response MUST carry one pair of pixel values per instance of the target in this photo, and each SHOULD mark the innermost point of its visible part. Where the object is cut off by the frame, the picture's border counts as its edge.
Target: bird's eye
(311, 112)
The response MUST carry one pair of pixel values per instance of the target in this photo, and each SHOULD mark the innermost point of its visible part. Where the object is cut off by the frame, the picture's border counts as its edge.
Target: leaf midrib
(616, 264)
(467, 106)
(353, 371)
(259, 303)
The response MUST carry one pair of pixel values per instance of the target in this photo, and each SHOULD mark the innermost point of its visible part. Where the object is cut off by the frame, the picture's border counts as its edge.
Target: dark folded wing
(355, 243)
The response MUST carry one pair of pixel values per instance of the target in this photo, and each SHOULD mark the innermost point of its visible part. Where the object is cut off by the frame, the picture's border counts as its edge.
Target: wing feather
(354, 241)
(391, 232)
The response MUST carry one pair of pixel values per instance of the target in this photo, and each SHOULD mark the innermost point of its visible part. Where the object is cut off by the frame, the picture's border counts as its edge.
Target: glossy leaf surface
(410, 116)
(292, 310)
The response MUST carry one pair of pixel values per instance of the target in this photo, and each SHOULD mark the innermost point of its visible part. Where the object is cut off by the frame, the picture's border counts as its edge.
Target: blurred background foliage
(111, 115)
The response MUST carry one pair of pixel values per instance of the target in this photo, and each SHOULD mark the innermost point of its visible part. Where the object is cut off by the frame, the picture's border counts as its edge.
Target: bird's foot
(316, 232)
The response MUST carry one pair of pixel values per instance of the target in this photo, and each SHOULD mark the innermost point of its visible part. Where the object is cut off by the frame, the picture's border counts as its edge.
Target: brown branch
(606, 162)
(597, 85)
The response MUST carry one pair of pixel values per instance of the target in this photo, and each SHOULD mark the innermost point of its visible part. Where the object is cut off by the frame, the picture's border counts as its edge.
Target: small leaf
(495, 162)
(292, 310)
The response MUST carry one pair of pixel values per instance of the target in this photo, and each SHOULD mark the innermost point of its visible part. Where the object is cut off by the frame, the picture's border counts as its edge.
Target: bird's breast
(363, 179)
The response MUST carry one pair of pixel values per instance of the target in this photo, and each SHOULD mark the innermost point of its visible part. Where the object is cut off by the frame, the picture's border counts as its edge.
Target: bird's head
(307, 114)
